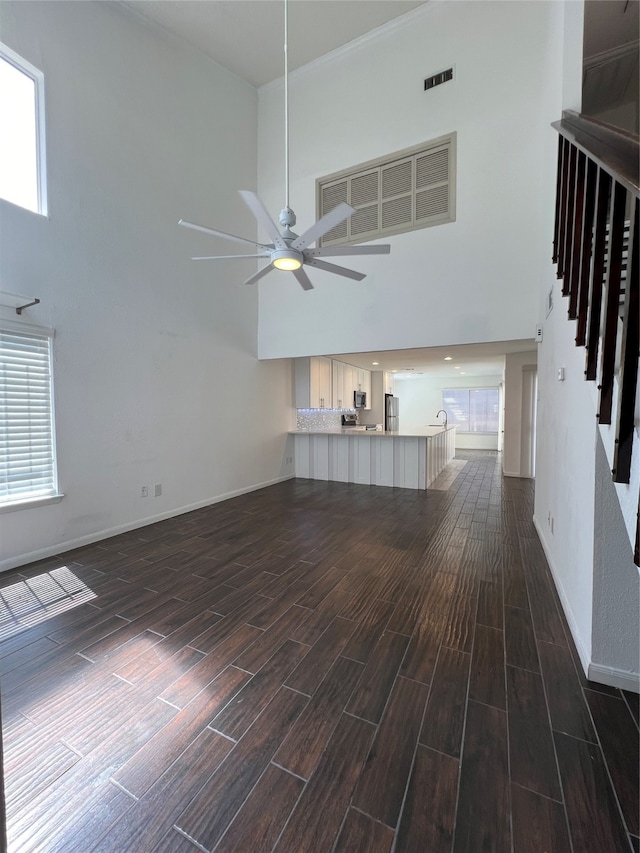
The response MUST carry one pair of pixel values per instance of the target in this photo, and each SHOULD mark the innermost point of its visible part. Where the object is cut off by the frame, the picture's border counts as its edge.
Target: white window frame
(54, 495)
(469, 389)
(37, 76)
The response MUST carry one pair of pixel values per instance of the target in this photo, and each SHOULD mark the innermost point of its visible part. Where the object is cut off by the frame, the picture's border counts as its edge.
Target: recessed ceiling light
(462, 373)
(448, 358)
(456, 367)
(375, 362)
(394, 371)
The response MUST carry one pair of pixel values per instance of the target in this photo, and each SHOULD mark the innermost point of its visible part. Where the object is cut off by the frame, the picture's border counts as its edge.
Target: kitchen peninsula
(409, 460)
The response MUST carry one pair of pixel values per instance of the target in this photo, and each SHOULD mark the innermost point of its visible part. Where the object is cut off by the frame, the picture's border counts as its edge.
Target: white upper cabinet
(313, 383)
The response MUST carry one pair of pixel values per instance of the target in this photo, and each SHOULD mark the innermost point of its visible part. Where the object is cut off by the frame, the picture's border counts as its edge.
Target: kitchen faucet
(442, 412)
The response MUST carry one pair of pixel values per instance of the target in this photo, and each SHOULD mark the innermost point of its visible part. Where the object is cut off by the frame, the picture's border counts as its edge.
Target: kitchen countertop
(425, 432)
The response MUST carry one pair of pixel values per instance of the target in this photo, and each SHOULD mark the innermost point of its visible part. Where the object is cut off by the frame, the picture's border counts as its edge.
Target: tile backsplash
(321, 418)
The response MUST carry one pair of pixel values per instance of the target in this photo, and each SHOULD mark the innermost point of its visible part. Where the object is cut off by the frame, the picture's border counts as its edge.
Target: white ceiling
(247, 36)
(466, 359)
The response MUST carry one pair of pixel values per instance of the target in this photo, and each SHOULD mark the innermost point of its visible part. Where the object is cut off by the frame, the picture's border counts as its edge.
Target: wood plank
(256, 654)
(619, 739)
(211, 811)
(428, 816)
(319, 660)
(303, 746)
(185, 688)
(533, 760)
(381, 788)
(595, 822)
(148, 763)
(482, 819)
(420, 659)
(370, 697)
(153, 815)
(487, 681)
(490, 605)
(318, 816)
(567, 708)
(370, 628)
(259, 822)
(361, 834)
(538, 823)
(459, 627)
(236, 717)
(444, 717)
(519, 639)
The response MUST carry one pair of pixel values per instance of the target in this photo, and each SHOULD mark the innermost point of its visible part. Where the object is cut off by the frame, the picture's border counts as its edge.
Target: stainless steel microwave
(359, 399)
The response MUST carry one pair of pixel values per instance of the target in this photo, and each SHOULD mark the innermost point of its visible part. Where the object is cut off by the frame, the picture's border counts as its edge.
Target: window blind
(27, 457)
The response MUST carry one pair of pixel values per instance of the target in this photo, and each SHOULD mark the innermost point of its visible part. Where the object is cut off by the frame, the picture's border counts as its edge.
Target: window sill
(30, 503)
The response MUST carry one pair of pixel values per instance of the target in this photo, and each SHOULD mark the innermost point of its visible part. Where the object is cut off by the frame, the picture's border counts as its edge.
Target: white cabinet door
(350, 385)
(366, 387)
(338, 386)
(320, 383)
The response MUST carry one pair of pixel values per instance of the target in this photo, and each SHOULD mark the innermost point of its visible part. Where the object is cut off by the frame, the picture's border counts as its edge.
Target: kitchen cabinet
(340, 391)
(313, 377)
(363, 383)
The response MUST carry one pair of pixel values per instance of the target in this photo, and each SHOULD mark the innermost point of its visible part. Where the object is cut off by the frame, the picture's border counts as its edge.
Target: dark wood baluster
(582, 289)
(563, 266)
(597, 273)
(577, 238)
(628, 375)
(559, 183)
(612, 309)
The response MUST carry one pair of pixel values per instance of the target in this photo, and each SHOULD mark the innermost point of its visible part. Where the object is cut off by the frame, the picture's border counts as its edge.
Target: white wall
(421, 398)
(155, 356)
(616, 591)
(473, 280)
(514, 427)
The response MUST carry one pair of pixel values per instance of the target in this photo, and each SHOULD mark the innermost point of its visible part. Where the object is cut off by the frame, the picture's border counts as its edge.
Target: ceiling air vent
(438, 79)
(413, 188)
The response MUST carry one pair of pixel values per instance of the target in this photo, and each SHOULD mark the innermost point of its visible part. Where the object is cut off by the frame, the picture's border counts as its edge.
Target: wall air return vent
(413, 188)
(438, 79)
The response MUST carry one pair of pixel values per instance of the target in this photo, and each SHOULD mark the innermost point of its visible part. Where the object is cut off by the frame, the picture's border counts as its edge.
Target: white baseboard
(614, 677)
(70, 544)
(585, 657)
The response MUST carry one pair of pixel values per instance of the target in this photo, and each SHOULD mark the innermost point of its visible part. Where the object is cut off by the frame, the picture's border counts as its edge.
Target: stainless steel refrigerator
(391, 417)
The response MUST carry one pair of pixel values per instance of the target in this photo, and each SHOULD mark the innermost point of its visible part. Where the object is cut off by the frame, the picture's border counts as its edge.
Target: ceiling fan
(288, 250)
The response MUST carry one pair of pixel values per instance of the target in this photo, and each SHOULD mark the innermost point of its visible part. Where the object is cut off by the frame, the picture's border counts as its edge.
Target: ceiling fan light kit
(287, 250)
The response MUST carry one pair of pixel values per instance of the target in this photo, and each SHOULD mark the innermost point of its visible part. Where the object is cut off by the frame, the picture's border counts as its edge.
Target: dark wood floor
(312, 667)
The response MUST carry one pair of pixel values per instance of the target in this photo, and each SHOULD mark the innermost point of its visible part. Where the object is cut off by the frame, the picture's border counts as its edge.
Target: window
(22, 138)
(472, 409)
(411, 189)
(27, 447)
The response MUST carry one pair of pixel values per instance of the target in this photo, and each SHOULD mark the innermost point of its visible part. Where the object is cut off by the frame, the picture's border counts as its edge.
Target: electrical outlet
(157, 490)
(144, 492)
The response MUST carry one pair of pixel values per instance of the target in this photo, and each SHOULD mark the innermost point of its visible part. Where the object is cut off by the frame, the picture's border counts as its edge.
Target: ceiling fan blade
(303, 279)
(323, 265)
(323, 225)
(224, 234)
(257, 276)
(226, 257)
(261, 214)
(382, 249)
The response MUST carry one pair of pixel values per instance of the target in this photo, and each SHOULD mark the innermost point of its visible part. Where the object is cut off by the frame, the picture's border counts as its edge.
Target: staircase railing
(597, 225)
